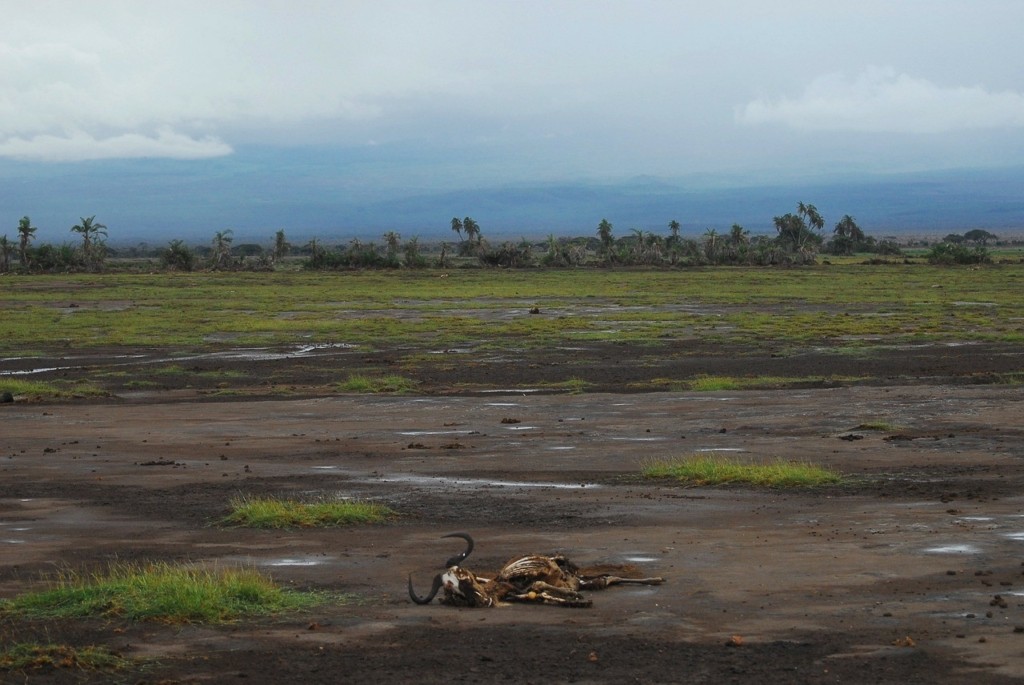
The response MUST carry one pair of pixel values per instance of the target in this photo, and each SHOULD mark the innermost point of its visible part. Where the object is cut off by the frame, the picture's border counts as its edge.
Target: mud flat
(911, 571)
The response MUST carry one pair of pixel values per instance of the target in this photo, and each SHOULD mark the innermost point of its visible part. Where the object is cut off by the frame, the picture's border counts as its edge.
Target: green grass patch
(159, 592)
(19, 387)
(718, 383)
(716, 470)
(28, 656)
(377, 384)
(267, 512)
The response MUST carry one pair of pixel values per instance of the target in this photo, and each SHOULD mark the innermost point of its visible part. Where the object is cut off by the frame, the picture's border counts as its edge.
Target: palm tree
(673, 232)
(711, 244)
(457, 226)
(6, 251)
(178, 255)
(738, 235)
(604, 234)
(89, 230)
(810, 215)
(222, 248)
(281, 246)
(739, 240)
(472, 230)
(847, 228)
(25, 232)
(393, 241)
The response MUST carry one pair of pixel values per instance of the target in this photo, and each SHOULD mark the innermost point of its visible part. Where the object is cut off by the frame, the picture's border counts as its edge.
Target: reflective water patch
(953, 549)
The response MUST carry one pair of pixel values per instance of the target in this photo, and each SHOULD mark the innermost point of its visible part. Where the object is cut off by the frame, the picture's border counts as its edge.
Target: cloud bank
(79, 146)
(880, 100)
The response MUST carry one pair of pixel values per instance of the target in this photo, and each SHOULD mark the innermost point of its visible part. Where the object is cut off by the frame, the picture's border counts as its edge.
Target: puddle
(509, 391)
(641, 560)
(562, 447)
(419, 433)
(293, 562)
(953, 549)
(640, 439)
(13, 542)
(1014, 536)
(245, 354)
(441, 481)
(520, 428)
(325, 468)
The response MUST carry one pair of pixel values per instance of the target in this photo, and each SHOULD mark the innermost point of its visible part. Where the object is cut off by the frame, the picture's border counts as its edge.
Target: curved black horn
(459, 558)
(433, 591)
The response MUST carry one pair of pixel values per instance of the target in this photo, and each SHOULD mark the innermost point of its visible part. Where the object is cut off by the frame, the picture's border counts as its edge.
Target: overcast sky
(522, 90)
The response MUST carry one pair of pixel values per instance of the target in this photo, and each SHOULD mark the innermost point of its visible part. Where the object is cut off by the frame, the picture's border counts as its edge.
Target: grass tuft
(267, 512)
(377, 384)
(159, 592)
(26, 656)
(715, 470)
(18, 387)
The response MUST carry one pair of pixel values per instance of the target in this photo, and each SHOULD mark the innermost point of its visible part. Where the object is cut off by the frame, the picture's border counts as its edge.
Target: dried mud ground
(911, 572)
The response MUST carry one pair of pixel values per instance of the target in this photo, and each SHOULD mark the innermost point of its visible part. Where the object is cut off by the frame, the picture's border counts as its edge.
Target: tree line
(799, 239)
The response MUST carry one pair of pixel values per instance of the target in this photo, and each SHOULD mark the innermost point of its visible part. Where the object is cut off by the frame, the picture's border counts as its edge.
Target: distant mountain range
(256, 192)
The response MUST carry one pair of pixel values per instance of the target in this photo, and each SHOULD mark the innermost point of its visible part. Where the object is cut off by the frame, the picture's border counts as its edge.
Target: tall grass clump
(267, 512)
(717, 470)
(159, 592)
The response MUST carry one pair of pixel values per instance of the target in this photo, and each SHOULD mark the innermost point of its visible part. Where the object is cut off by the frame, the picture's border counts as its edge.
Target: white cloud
(80, 146)
(880, 100)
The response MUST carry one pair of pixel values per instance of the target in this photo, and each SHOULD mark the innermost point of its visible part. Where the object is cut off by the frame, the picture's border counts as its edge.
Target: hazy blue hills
(335, 196)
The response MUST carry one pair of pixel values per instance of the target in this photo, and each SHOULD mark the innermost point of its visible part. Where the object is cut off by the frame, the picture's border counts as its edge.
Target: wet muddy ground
(912, 571)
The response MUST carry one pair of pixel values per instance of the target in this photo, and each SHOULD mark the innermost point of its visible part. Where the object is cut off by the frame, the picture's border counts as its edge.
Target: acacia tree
(90, 231)
(25, 232)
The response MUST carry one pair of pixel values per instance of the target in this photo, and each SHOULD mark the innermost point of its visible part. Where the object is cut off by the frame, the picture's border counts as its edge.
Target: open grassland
(853, 305)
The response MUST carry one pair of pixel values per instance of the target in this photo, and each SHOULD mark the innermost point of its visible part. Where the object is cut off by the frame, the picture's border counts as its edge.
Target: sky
(443, 94)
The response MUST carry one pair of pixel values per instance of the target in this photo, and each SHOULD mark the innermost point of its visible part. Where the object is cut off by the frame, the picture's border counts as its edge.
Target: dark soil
(908, 572)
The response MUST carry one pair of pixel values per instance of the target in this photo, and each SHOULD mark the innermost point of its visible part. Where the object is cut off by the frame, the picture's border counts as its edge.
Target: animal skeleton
(532, 578)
